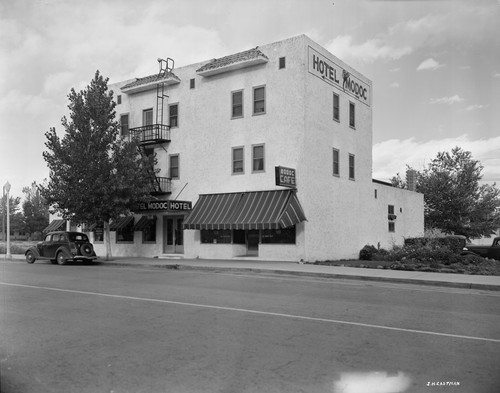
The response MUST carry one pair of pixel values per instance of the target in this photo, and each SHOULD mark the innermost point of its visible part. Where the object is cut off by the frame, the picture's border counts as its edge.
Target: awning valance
(246, 210)
(121, 223)
(55, 225)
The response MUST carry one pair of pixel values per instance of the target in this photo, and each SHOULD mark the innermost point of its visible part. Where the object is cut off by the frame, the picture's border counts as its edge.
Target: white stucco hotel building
(265, 153)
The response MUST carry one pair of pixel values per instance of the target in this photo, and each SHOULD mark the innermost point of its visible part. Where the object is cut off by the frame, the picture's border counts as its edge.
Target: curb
(214, 269)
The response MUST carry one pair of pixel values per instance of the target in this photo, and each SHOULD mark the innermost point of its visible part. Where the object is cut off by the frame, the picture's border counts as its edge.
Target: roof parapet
(233, 62)
(150, 82)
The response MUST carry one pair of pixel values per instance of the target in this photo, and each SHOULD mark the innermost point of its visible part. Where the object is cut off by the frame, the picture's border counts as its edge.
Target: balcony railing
(161, 185)
(151, 134)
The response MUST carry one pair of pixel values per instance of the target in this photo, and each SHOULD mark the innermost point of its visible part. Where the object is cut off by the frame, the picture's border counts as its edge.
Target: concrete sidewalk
(305, 269)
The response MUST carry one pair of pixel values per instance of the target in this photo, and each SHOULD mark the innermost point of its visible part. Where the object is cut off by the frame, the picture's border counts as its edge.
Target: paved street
(117, 329)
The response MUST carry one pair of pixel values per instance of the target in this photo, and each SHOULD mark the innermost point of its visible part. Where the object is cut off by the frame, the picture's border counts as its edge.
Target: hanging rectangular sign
(285, 177)
(164, 206)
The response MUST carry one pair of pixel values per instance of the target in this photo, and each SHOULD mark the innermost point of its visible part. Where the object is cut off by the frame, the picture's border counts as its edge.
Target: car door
(53, 245)
(43, 247)
(495, 249)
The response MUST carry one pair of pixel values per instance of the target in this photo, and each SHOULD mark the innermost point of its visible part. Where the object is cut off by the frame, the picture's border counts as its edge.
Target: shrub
(454, 243)
(431, 255)
(367, 252)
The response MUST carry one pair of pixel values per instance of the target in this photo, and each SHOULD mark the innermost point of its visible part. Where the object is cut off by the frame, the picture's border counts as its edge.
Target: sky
(434, 65)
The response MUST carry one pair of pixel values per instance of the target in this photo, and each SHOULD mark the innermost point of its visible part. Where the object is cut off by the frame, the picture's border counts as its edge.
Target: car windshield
(78, 237)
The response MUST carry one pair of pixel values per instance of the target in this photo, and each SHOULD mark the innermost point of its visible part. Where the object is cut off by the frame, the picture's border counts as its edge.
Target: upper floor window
(237, 160)
(237, 104)
(124, 125)
(119, 99)
(352, 115)
(191, 83)
(257, 158)
(336, 162)
(259, 100)
(336, 107)
(174, 166)
(282, 63)
(173, 115)
(147, 117)
(351, 167)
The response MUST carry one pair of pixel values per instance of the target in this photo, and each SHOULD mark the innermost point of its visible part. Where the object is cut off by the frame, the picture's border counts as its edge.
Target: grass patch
(17, 246)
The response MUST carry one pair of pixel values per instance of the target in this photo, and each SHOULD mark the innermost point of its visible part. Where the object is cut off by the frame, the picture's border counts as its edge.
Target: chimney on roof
(411, 179)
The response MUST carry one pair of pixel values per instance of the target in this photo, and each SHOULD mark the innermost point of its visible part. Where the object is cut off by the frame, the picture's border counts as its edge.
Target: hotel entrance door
(173, 235)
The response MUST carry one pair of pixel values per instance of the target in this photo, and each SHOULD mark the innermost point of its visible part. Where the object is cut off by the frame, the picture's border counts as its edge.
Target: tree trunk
(107, 240)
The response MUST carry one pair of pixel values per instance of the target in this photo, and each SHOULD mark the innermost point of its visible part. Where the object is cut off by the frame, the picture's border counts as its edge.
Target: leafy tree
(95, 175)
(454, 200)
(398, 182)
(14, 215)
(35, 210)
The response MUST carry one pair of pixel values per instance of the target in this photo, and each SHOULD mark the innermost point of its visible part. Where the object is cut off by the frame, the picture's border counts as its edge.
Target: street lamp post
(6, 190)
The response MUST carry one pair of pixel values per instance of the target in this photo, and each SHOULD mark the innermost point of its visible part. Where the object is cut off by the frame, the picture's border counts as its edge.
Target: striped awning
(92, 227)
(246, 210)
(144, 222)
(121, 223)
(55, 225)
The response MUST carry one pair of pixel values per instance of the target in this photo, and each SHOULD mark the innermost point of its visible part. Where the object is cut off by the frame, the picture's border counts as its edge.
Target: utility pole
(6, 190)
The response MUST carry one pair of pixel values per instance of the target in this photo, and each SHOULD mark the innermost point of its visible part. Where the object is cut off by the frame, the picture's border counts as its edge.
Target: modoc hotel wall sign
(285, 177)
(164, 206)
(335, 75)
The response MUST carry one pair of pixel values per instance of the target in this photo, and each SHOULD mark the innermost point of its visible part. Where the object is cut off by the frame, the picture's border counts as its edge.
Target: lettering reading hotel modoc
(335, 75)
(165, 205)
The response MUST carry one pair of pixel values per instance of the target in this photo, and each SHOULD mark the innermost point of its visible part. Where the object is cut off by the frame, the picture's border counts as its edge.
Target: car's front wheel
(30, 257)
(61, 259)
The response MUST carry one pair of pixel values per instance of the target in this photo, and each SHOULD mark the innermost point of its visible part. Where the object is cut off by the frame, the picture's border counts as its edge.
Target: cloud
(391, 156)
(446, 100)
(421, 34)
(475, 106)
(368, 51)
(429, 65)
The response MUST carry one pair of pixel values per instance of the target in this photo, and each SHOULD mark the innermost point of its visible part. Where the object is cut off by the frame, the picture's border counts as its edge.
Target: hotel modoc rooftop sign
(333, 74)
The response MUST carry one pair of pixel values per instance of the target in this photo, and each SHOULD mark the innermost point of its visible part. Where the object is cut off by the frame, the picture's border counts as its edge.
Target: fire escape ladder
(160, 96)
(166, 67)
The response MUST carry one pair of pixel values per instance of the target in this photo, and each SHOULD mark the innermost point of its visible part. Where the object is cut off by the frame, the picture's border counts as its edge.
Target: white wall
(298, 131)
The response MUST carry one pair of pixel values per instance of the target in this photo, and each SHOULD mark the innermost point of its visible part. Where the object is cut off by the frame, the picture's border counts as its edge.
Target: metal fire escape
(158, 133)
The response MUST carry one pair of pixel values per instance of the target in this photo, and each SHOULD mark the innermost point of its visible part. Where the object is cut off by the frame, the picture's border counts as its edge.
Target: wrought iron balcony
(161, 186)
(151, 134)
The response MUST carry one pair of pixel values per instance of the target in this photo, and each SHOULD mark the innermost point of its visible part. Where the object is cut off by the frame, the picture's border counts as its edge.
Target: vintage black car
(61, 247)
(492, 251)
